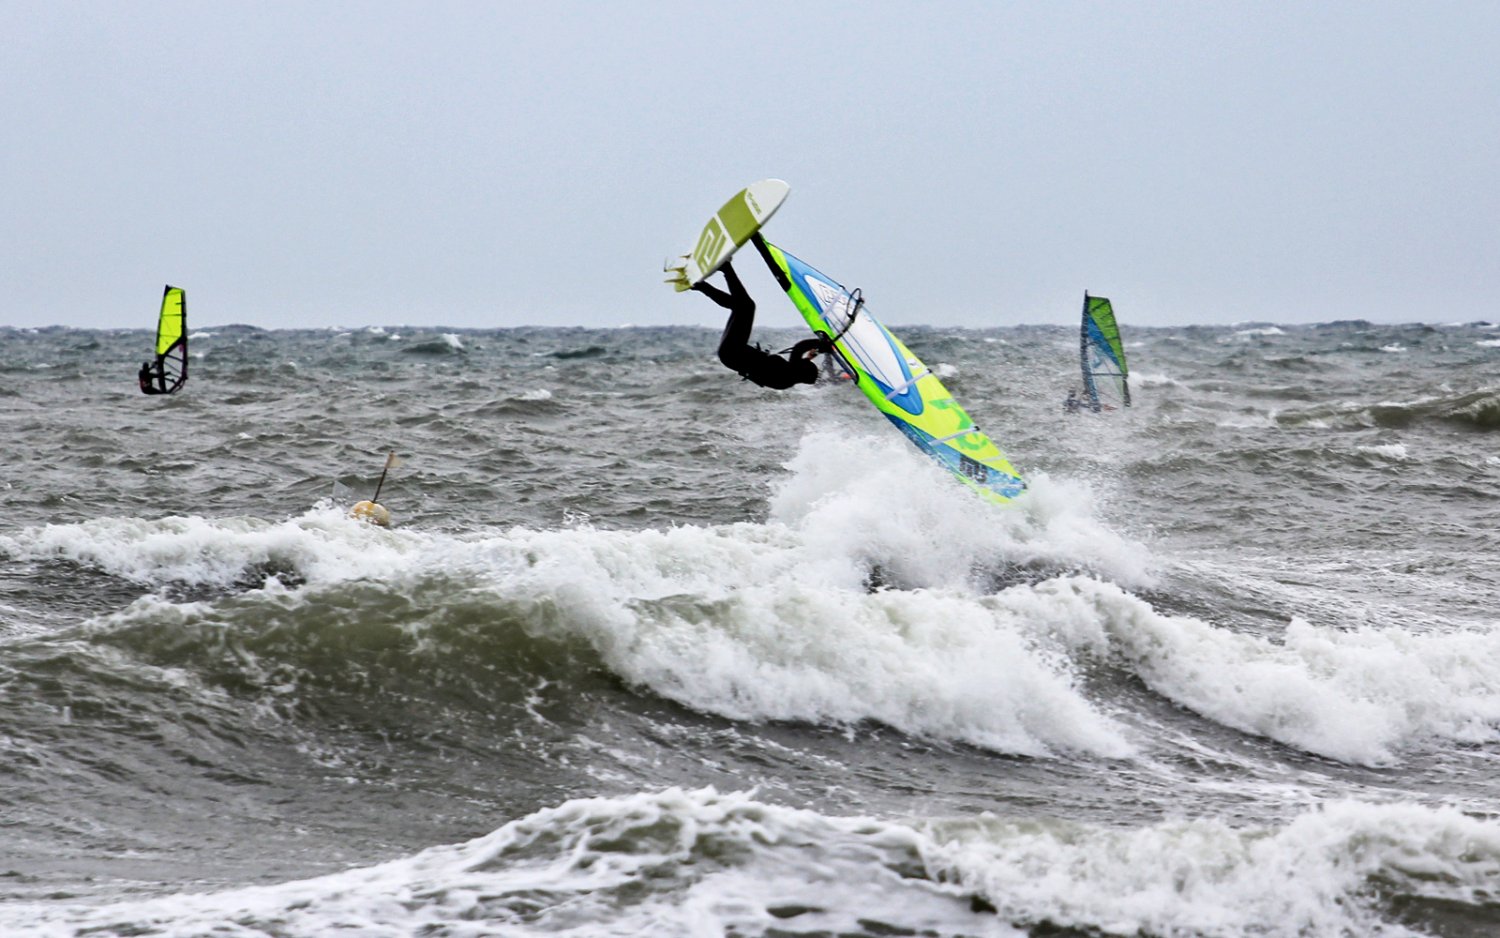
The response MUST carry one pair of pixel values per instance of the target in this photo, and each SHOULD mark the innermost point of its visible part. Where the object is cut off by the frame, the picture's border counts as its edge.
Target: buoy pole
(390, 460)
(372, 511)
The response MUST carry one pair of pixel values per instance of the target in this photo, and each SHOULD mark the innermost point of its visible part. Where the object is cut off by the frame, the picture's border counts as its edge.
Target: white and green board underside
(729, 229)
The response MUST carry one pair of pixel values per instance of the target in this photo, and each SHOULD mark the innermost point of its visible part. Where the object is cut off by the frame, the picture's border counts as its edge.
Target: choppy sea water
(651, 651)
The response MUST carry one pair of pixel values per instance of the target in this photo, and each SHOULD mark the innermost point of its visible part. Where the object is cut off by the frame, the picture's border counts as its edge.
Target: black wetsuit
(147, 376)
(752, 362)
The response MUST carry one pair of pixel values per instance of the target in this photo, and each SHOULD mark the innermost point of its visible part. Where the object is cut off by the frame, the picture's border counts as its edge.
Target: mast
(183, 380)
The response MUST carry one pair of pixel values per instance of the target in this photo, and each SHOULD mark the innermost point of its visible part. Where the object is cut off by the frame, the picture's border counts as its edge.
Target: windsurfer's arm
(817, 345)
(765, 255)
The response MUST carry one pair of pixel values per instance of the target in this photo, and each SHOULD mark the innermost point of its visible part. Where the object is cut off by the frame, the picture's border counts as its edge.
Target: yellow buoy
(373, 512)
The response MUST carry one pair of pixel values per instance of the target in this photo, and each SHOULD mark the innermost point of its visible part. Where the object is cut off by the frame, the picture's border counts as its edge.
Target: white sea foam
(1388, 450)
(938, 533)
(1488, 343)
(775, 621)
(323, 545)
(1152, 379)
(688, 863)
(1353, 694)
(1316, 876)
(665, 864)
(453, 341)
(748, 623)
(1256, 420)
(778, 628)
(1264, 330)
(1395, 347)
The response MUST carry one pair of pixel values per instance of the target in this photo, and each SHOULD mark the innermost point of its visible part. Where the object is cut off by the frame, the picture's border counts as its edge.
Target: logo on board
(709, 244)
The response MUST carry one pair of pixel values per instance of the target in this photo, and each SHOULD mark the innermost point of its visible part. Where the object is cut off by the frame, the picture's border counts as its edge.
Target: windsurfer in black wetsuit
(150, 376)
(1075, 404)
(752, 362)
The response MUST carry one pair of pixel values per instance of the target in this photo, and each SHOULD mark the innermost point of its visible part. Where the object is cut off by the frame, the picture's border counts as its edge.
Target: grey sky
(468, 164)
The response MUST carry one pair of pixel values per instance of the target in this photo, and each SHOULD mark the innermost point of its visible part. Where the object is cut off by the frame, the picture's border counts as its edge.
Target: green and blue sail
(894, 379)
(1106, 376)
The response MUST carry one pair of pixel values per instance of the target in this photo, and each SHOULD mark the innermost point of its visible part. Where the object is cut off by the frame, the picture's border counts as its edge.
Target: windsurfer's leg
(715, 294)
(736, 288)
(734, 346)
(737, 295)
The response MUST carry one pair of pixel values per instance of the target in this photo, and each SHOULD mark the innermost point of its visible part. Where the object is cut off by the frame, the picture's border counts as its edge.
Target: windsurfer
(150, 376)
(752, 362)
(1075, 404)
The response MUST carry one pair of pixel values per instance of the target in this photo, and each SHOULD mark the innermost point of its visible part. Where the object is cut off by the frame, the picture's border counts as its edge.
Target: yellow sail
(173, 313)
(167, 371)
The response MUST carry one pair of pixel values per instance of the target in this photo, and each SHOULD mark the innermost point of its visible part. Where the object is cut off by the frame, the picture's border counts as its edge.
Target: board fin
(677, 272)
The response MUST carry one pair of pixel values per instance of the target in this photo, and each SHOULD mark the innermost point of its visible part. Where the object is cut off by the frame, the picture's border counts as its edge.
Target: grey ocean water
(652, 651)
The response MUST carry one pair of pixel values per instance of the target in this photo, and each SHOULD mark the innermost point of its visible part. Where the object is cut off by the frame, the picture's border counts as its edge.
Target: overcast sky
(524, 163)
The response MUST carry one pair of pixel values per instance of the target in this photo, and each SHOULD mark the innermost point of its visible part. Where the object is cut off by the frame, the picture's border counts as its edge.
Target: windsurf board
(729, 229)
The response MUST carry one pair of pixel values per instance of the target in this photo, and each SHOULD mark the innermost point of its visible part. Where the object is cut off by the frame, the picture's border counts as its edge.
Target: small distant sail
(169, 371)
(1106, 377)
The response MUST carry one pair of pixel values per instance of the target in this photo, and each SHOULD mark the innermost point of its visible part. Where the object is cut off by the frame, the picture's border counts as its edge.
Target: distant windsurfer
(150, 377)
(1075, 404)
(752, 362)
